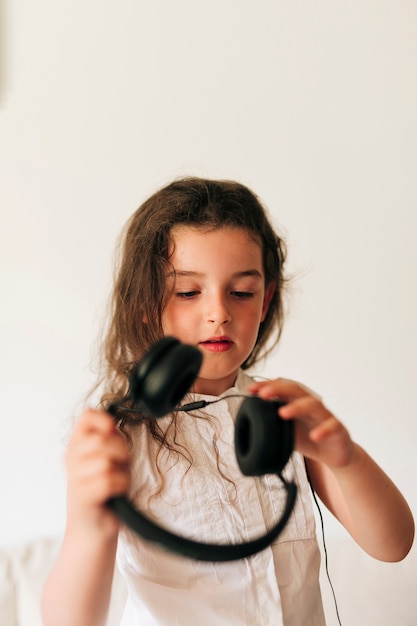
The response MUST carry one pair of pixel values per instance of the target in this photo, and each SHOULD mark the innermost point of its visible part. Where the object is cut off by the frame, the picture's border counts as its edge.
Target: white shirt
(276, 587)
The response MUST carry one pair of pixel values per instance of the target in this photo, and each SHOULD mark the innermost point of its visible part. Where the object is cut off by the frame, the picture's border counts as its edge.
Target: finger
(94, 453)
(92, 420)
(99, 478)
(112, 444)
(98, 488)
(99, 466)
(307, 408)
(94, 425)
(325, 430)
(281, 388)
(268, 388)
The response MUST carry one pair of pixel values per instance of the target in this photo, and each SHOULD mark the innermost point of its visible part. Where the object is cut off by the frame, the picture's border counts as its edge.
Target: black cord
(326, 558)
(201, 404)
(190, 406)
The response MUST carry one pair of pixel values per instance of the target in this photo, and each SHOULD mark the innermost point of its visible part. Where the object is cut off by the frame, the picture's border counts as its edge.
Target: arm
(352, 486)
(77, 591)
(368, 504)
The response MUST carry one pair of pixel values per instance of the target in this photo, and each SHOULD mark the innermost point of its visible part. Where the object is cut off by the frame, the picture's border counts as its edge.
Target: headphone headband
(263, 445)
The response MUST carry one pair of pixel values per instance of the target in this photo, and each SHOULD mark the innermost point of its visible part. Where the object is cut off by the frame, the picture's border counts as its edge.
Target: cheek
(250, 321)
(175, 319)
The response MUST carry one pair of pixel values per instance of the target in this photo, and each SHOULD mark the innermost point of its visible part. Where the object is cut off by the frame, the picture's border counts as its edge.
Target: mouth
(217, 344)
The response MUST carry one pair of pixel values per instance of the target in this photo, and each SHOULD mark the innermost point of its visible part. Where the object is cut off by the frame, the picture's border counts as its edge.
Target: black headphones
(263, 444)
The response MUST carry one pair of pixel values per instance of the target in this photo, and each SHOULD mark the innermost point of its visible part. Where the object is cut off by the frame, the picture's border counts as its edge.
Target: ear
(269, 292)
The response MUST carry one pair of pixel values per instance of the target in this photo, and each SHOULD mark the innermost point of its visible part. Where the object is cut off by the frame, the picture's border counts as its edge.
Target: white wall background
(312, 104)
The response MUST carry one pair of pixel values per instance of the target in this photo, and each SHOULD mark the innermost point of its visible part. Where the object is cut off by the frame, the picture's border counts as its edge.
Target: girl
(201, 262)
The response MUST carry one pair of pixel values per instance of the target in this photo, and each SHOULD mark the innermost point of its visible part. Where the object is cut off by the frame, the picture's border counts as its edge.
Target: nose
(218, 312)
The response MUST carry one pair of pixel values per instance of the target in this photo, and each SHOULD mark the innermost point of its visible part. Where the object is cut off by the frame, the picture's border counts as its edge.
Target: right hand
(98, 464)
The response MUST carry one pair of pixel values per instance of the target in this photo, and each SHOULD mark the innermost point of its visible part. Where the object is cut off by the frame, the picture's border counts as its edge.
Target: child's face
(219, 299)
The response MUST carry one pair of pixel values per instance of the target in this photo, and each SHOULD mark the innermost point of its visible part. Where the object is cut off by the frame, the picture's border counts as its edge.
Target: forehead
(228, 246)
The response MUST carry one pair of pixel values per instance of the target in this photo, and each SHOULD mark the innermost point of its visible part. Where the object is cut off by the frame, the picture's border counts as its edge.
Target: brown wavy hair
(140, 289)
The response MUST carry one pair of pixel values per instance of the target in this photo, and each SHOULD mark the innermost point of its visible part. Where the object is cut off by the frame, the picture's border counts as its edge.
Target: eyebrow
(255, 273)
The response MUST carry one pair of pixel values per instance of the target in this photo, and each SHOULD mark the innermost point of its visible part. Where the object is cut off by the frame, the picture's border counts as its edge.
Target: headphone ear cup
(164, 376)
(141, 369)
(263, 441)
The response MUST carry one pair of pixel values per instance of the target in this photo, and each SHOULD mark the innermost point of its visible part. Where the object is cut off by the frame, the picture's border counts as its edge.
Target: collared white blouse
(209, 500)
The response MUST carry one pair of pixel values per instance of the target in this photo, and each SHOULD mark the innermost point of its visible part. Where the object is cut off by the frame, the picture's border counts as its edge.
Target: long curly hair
(140, 286)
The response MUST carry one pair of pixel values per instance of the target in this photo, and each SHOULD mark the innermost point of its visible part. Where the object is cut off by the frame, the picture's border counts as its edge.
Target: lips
(217, 344)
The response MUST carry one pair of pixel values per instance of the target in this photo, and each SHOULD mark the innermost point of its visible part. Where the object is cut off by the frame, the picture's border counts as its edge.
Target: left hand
(319, 435)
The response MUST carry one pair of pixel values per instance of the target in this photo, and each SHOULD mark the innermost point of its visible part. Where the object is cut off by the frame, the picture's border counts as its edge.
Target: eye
(186, 295)
(242, 295)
